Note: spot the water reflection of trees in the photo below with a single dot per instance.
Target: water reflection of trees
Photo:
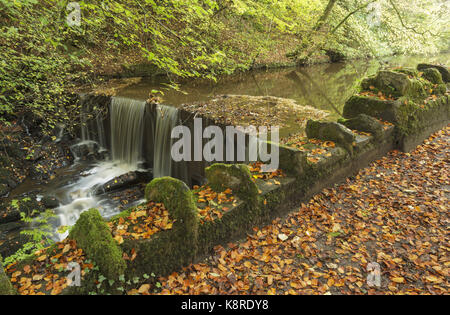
(325, 86)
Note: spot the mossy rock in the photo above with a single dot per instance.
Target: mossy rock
(395, 84)
(442, 69)
(292, 161)
(331, 131)
(372, 106)
(172, 249)
(408, 71)
(6, 287)
(7, 177)
(93, 236)
(433, 75)
(412, 118)
(176, 197)
(234, 176)
(364, 123)
(178, 200)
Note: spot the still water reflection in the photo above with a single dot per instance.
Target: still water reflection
(324, 86)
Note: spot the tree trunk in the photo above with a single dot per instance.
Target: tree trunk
(325, 15)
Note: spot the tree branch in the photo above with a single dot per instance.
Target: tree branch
(350, 14)
(412, 29)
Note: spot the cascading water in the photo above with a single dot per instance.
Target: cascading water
(92, 130)
(166, 120)
(127, 125)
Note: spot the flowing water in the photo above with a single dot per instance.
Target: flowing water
(166, 120)
(324, 86)
(126, 138)
(127, 130)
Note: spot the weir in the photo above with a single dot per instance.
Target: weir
(166, 119)
(127, 130)
(123, 133)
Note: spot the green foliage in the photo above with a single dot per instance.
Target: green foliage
(36, 68)
(419, 27)
(43, 59)
(39, 235)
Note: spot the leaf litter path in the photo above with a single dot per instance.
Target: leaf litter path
(393, 213)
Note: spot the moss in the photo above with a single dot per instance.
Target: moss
(233, 224)
(4, 190)
(364, 123)
(5, 176)
(392, 83)
(292, 161)
(433, 75)
(417, 89)
(6, 287)
(372, 106)
(408, 71)
(395, 83)
(235, 176)
(94, 237)
(412, 117)
(331, 131)
(167, 250)
(442, 69)
(177, 198)
(239, 179)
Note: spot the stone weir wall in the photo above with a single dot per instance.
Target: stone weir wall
(394, 110)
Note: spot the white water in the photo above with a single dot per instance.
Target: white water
(127, 117)
(166, 120)
(127, 127)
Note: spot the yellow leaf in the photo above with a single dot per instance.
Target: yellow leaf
(119, 239)
(398, 279)
(66, 248)
(141, 213)
(433, 279)
(330, 282)
(37, 277)
(144, 288)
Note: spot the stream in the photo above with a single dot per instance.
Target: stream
(324, 86)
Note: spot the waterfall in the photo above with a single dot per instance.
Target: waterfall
(92, 130)
(166, 120)
(127, 130)
(125, 136)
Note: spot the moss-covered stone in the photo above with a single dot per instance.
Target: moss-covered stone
(372, 106)
(408, 71)
(93, 236)
(331, 131)
(292, 161)
(364, 123)
(412, 117)
(177, 198)
(442, 69)
(6, 287)
(433, 75)
(235, 176)
(170, 249)
(395, 84)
